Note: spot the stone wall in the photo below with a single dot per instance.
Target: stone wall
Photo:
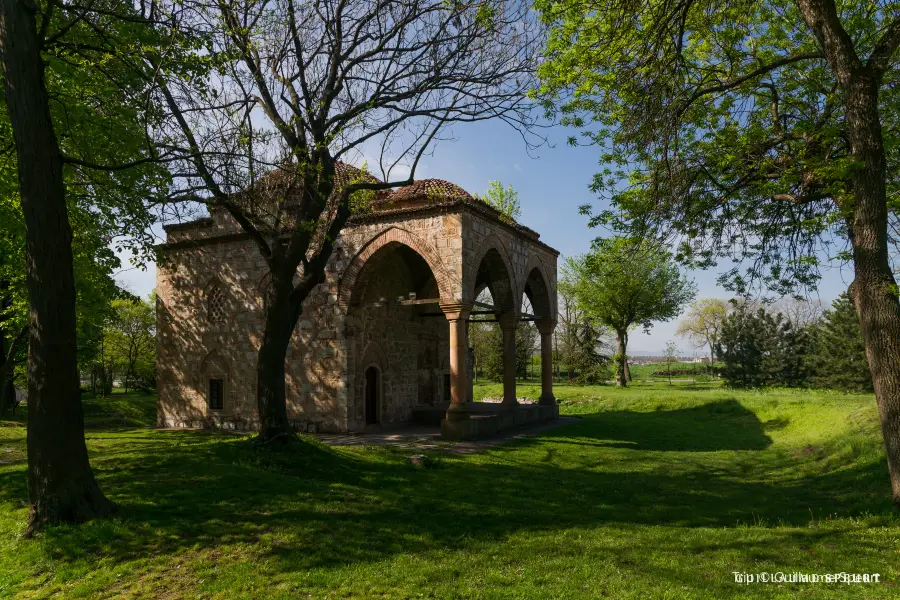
(344, 327)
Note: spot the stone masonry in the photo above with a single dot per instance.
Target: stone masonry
(391, 314)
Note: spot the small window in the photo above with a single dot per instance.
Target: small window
(215, 308)
(216, 394)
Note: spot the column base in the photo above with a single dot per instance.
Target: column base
(458, 413)
(547, 400)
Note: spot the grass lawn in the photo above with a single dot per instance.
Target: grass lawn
(657, 492)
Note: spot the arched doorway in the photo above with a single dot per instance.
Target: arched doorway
(373, 396)
(400, 330)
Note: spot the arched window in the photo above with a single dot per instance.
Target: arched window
(215, 304)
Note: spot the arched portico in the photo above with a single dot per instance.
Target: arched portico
(392, 236)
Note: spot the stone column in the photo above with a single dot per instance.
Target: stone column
(546, 330)
(507, 323)
(457, 313)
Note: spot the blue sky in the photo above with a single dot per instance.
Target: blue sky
(552, 184)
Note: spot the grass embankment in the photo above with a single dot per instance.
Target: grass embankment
(658, 492)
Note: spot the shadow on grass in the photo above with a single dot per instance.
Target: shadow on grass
(317, 506)
(722, 425)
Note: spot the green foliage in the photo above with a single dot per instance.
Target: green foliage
(721, 123)
(487, 342)
(506, 201)
(840, 355)
(760, 349)
(657, 486)
(702, 322)
(98, 78)
(129, 339)
(625, 283)
(672, 354)
(580, 339)
(584, 354)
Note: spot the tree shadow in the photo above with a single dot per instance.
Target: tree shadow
(721, 425)
(318, 507)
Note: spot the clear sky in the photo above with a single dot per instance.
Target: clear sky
(552, 184)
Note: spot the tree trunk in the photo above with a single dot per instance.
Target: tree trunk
(874, 289)
(710, 343)
(622, 364)
(627, 366)
(61, 485)
(5, 382)
(281, 318)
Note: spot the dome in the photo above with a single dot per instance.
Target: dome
(437, 189)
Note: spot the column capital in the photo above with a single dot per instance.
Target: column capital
(507, 320)
(546, 326)
(456, 309)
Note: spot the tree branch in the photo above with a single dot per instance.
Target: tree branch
(880, 59)
(758, 72)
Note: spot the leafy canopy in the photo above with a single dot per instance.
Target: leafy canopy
(703, 321)
(762, 349)
(840, 357)
(624, 283)
(720, 124)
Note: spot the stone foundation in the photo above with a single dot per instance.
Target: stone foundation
(491, 419)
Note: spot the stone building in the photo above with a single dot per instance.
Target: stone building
(384, 336)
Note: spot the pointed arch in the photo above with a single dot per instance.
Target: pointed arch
(393, 235)
(539, 288)
(492, 263)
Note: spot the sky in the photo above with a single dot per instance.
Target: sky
(552, 182)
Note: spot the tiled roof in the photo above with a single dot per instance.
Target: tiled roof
(425, 189)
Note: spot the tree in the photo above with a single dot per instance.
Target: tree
(81, 171)
(625, 283)
(60, 481)
(672, 353)
(840, 355)
(526, 339)
(801, 312)
(581, 341)
(131, 335)
(762, 349)
(302, 88)
(506, 201)
(750, 130)
(702, 322)
(487, 342)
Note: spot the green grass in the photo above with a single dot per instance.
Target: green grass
(657, 492)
